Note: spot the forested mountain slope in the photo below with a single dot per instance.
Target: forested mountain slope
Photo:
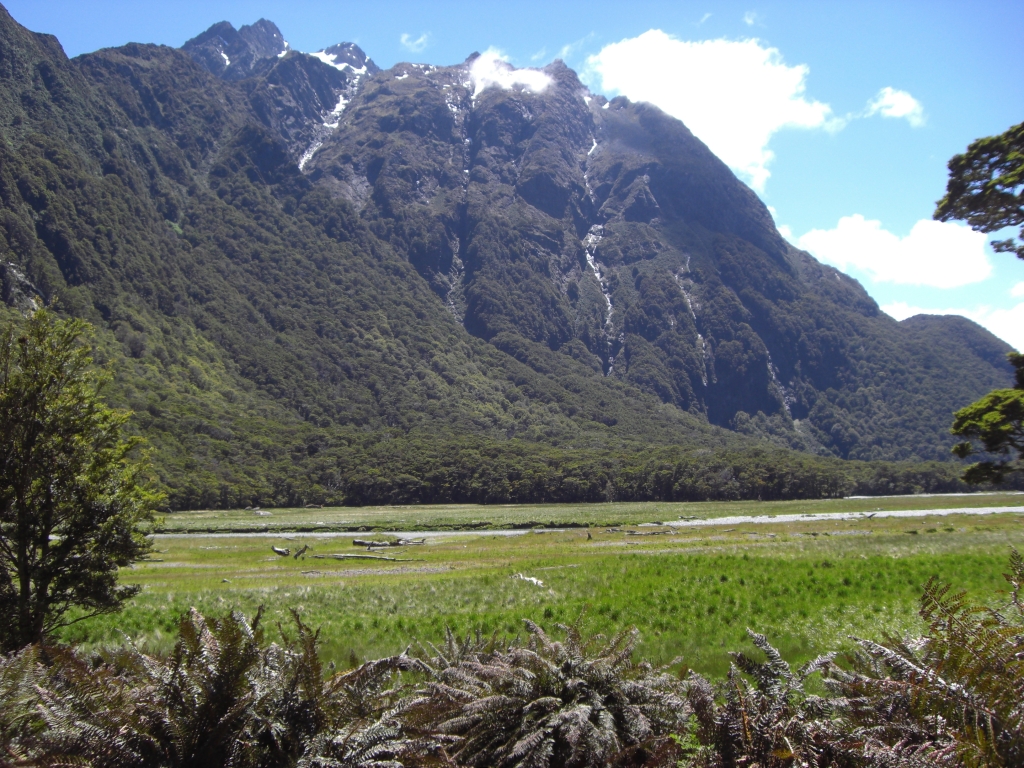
(607, 232)
(307, 273)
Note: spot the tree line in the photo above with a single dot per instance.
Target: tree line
(413, 469)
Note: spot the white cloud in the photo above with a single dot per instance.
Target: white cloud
(892, 103)
(784, 229)
(704, 18)
(749, 18)
(1017, 291)
(566, 50)
(492, 68)
(935, 253)
(415, 45)
(1007, 324)
(569, 49)
(733, 95)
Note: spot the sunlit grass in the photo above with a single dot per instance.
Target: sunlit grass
(692, 594)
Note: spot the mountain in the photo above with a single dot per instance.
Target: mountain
(313, 280)
(233, 54)
(548, 219)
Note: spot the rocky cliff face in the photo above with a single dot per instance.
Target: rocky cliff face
(298, 96)
(234, 54)
(353, 254)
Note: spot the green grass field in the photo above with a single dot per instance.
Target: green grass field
(807, 585)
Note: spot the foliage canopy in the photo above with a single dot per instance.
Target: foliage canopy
(986, 187)
(997, 422)
(72, 498)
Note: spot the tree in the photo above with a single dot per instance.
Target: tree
(73, 499)
(986, 187)
(997, 421)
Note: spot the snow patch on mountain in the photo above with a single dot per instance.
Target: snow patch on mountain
(311, 150)
(685, 286)
(491, 68)
(350, 59)
(590, 242)
(336, 112)
(331, 60)
(596, 269)
(329, 125)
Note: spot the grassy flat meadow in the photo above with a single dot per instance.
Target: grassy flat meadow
(692, 592)
(444, 517)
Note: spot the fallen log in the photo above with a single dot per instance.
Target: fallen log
(371, 544)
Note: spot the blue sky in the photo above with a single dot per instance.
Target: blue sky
(842, 116)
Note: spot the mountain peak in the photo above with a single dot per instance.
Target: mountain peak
(265, 39)
(347, 56)
(235, 54)
(232, 54)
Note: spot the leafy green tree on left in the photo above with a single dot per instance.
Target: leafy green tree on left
(73, 496)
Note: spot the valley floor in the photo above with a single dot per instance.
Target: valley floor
(807, 582)
(478, 517)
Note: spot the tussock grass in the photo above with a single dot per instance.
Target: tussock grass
(807, 585)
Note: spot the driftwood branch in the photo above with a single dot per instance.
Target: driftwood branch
(371, 544)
